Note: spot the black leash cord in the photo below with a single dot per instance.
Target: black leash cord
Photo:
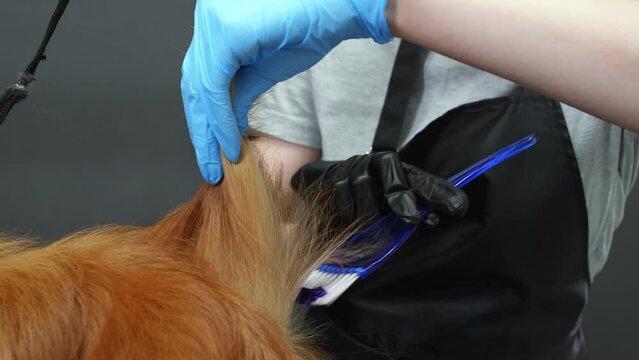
(20, 90)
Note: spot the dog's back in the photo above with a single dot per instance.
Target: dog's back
(110, 294)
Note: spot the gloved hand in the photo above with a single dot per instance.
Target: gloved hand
(366, 185)
(258, 43)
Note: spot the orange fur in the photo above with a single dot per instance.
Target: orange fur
(216, 278)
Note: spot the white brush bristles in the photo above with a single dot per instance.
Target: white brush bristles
(334, 285)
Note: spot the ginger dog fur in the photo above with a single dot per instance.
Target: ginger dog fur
(216, 278)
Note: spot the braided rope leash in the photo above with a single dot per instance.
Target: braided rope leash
(20, 90)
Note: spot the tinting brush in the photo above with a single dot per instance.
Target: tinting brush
(388, 233)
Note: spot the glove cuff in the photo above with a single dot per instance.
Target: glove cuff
(372, 14)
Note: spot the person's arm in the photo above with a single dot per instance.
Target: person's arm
(362, 184)
(282, 158)
(581, 52)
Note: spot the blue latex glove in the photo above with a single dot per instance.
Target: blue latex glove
(258, 43)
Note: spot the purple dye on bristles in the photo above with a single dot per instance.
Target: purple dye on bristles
(308, 296)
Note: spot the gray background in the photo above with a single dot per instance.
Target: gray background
(103, 139)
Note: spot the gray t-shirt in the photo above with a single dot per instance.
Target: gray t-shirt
(335, 106)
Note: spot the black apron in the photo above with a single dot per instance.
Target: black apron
(508, 281)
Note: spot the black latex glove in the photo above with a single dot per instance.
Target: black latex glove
(367, 185)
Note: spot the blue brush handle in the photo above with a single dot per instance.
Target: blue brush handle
(472, 172)
(399, 232)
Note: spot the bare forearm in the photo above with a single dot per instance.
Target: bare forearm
(282, 159)
(582, 52)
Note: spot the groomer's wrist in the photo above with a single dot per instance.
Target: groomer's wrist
(391, 16)
(410, 19)
(372, 14)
